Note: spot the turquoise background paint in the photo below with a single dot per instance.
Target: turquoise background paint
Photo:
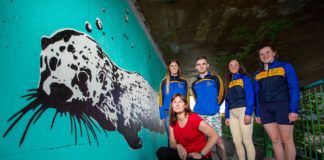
(22, 24)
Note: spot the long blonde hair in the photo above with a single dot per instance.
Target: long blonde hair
(167, 76)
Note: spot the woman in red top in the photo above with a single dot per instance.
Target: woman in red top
(187, 133)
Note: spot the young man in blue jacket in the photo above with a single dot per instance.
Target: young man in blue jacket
(208, 92)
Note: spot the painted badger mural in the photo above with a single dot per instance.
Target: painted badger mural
(78, 79)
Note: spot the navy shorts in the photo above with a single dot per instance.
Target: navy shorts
(275, 112)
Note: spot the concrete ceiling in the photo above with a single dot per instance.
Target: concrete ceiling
(226, 29)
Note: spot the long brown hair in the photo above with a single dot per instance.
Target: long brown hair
(167, 76)
(173, 115)
(229, 75)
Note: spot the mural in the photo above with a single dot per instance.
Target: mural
(79, 80)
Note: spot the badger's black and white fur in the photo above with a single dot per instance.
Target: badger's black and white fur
(77, 77)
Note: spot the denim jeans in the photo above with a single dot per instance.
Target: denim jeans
(166, 122)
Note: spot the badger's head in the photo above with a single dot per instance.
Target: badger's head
(74, 79)
(73, 68)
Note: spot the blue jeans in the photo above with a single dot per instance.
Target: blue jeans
(166, 122)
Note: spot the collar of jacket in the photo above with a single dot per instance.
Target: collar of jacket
(271, 65)
(198, 76)
(174, 77)
(237, 76)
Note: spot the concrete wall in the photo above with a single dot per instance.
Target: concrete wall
(91, 92)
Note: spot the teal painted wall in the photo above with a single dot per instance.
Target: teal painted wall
(23, 24)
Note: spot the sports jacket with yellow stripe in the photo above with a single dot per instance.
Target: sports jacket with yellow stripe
(279, 83)
(177, 85)
(208, 93)
(240, 93)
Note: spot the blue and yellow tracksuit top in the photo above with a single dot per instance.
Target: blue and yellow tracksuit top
(279, 83)
(208, 93)
(240, 93)
(177, 85)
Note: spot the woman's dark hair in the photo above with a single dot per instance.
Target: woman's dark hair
(173, 115)
(229, 75)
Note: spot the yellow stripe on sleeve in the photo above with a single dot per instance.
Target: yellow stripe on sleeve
(188, 93)
(221, 90)
(160, 95)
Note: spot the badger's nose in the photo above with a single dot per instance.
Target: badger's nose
(60, 93)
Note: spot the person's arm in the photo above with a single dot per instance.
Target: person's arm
(294, 91)
(188, 93)
(212, 139)
(227, 114)
(193, 91)
(173, 144)
(221, 90)
(256, 93)
(162, 116)
(249, 98)
(249, 95)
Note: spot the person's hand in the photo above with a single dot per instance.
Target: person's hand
(182, 152)
(258, 120)
(227, 122)
(195, 155)
(163, 120)
(293, 117)
(247, 119)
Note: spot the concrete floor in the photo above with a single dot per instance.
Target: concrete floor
(231, 152)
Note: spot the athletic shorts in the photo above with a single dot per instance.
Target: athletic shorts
(215, 121)
(275, 112)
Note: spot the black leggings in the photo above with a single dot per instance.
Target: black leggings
(165, 153)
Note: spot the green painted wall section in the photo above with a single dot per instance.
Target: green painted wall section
(22, 24)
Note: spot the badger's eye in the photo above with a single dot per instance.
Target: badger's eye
(53, 63)
(83, 77)
(101, 76)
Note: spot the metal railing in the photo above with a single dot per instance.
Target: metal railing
(309, 128)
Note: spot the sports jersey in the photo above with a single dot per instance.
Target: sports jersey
(208, 93)
(279, 83)
(240, 93)
(177, 85)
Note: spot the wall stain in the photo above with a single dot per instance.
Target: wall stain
(268, 31)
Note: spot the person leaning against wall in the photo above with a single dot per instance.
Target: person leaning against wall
(239, 106)
(277, 101)
(187, 134)
(172, 83)
(208, 92)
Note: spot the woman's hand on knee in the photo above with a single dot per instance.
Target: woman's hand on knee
(181, 151)
(195, 155)
(293, 117)
(227, 121)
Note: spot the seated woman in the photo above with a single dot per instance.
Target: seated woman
(187, 133)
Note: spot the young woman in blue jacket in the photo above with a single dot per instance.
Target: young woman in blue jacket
(277, 102)
(239, 106)
(172, 83)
